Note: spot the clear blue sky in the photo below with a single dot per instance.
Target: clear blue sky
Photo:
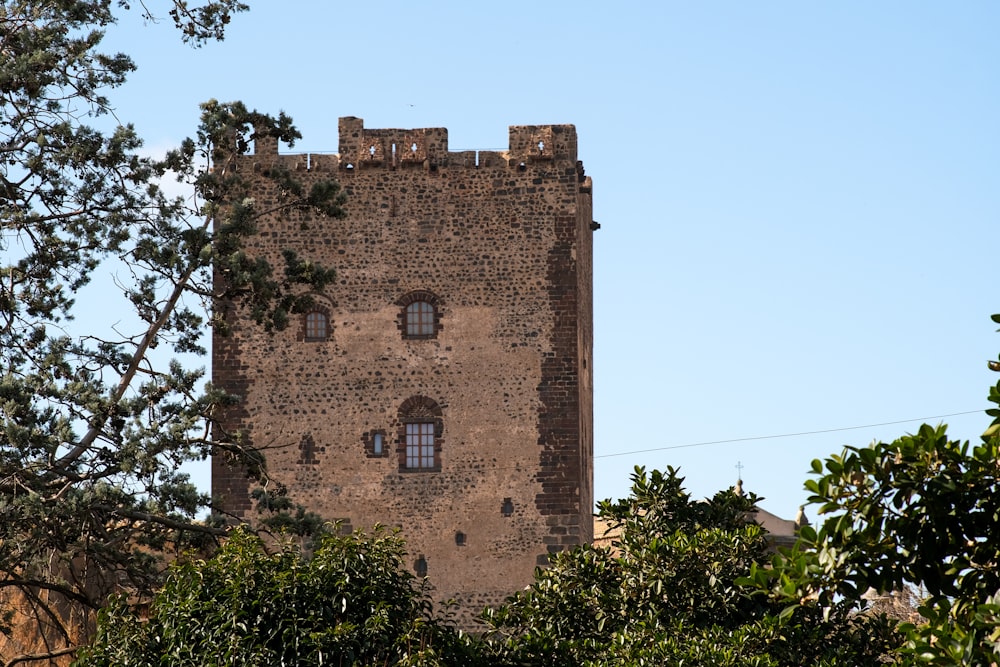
(799, 201)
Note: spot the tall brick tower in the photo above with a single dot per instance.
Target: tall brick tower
(444, 383)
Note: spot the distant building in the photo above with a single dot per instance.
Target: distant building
(780, 532)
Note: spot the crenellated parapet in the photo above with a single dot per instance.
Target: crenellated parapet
(367, 148)
(363, 148)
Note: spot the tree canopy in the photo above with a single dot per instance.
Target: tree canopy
(94, 424)
(672, 591)
(350, 602)
(919, 513)
(669, 592)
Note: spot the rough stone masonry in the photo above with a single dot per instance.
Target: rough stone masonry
(444, 383)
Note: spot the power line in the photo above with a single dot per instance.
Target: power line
(520, 467)
(783, 435)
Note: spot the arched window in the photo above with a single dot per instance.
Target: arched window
(317, 326)
(420, 445)
(421, 433)
(420, 317)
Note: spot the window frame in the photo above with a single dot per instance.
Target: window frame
(420, 436)
(429, 320)
(314, 320)
(420, 319)
(315, 305)
(369, 440)
(420, 445)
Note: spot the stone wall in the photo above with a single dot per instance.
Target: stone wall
(500, 244)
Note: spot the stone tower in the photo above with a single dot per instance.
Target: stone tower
(443, 384)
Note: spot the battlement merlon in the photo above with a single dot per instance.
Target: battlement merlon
(363, 147)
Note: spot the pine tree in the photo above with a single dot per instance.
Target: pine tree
(94, 427)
